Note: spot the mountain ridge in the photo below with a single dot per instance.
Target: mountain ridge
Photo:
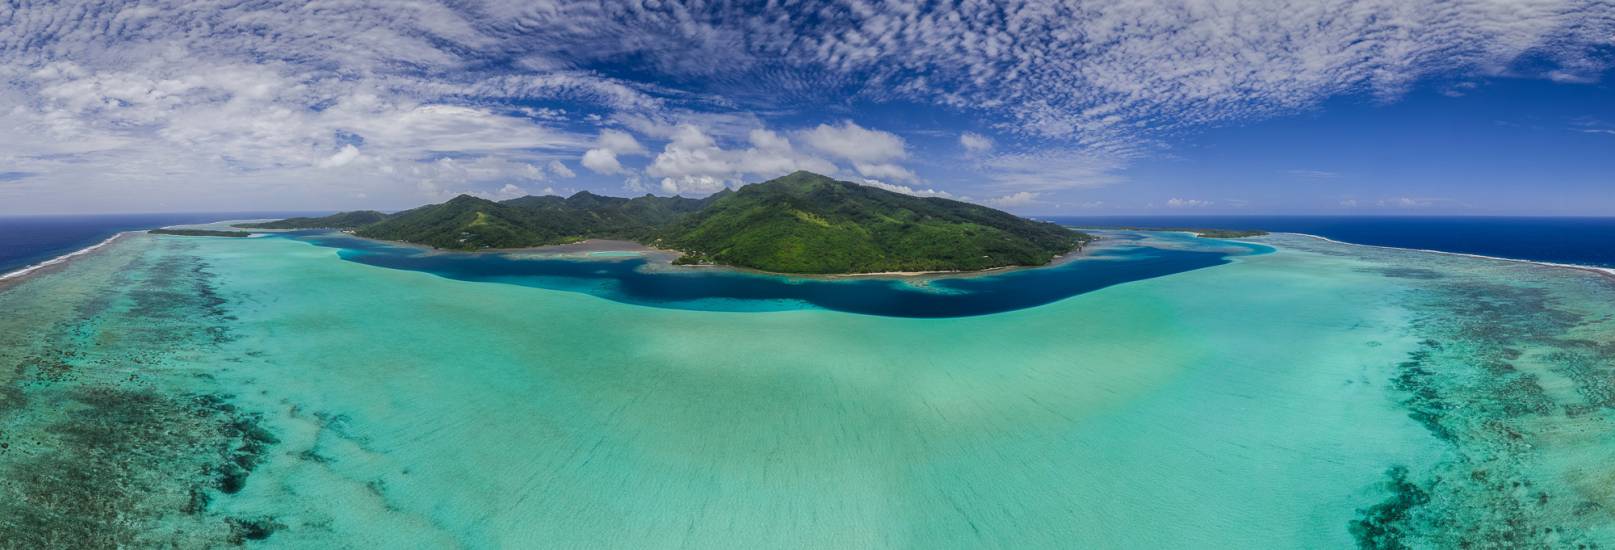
(799, 223)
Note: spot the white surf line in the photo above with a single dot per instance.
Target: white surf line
(1604, 270)
(59, 259)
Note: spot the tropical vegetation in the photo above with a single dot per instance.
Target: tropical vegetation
(800, 223)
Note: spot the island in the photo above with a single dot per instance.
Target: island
(344, 220)
(802, 223)
(199, 232)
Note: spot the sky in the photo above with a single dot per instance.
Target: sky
(1482, 107)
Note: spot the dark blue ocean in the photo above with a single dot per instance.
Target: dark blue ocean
(1582, 241)
(28, 240)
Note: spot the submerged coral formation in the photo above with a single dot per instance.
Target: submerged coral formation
(104, 438)
(1513, 371)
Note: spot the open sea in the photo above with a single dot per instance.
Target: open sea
(28, 240)
(1581, 241)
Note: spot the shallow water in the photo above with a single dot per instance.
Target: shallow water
(193, 391)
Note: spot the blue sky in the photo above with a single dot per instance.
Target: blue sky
(1381, 107)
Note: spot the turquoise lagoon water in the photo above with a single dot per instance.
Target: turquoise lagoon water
(285, 393)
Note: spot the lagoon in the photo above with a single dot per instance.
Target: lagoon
(1165, 391)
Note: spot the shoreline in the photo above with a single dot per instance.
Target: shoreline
(1606, 272)
(662, 259)
(885, 275)
(1062, 259)
(20, 275)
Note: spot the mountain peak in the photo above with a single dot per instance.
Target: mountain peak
(806, 174)
(800, 181)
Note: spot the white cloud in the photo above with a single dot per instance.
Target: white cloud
(1055, 169)
(341, 158)
(602, 161)
(768, 140)
(692, 185)
(1313, 174)
(855, 143)
(166, 132)
(619, 142)
(693, 162)
(1187, 203)
(1591, 125)
(975, 143)
(478, 176)
(1093, 71)
(1014, 200)
(511, 191)
(1413, 202)
(885, 170)
(603, 158)
(906, 190)
(559, 169)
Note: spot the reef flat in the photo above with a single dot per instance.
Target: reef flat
(291, 392)
(111, 430)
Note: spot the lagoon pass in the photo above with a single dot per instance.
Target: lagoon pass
(301, 391)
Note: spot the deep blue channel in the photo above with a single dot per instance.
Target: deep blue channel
(623, 280)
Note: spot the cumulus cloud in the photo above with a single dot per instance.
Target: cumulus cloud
(694, 163)
(873, 153)
(852, 142)
(620, 142)
(602, 161)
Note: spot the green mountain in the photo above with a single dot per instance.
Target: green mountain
(591, 215)
(808, 223)
(801, 223)
(469, 223)
(340, 220)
